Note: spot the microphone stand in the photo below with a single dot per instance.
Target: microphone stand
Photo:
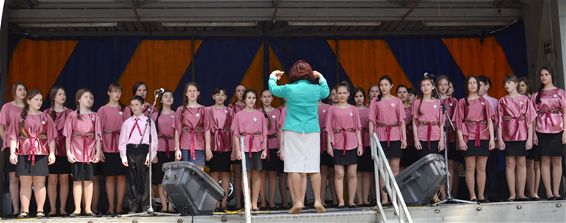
(150, 211)
(449, 199)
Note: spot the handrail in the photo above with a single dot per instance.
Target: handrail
(246, 186)
(382, 168)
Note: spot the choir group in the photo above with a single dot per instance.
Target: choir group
(84, 145)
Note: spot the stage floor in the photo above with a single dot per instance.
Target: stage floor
(539, 211)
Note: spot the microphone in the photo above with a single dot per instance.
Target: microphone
(159, 91)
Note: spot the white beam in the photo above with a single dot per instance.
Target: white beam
(251, 14)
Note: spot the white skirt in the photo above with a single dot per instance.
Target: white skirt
(301, 152)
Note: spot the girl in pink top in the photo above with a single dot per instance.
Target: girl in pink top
(515, 117)
(344, 143)
(475, 135)
(443, 84)
(533, 160)
(218, 139)
(272, 165)
(333, 98)
(373, 92)
(83, 133)
(139, 89)
(550, 104)
(365, 163)
(59, 171)
(164, 119)
(189, 129)
(326, 161)
(250, 124)
(9, 111)
(387, 119)
(32, 149)
(111, 119)
(428, 121)
(409, 155)
(237, 103)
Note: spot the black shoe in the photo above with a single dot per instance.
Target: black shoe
(550, 198)
(341, 206)
(534, 198)
(559, 198)
(92, 214)
(483, 201)
(74, 215)
(353, 206)
(218, 210)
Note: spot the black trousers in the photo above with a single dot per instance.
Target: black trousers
(137, 177)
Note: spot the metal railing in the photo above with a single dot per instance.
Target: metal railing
(383, 170)
(246, 188)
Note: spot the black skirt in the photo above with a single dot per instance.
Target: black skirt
(454, 153)
(273, 163)
(482, 150)
(82, 171)
(433, 149)
(515, 148)
(97, 169)
(112, 165)
(534, 153)
(393, 150)
(326, 160)
(550, 144)
(61, 166)
(341, 158)
(253, 163)
(409, 156)
(24, 166)
(220, 162)
(156, 169)
(8, 167)
(365, 162)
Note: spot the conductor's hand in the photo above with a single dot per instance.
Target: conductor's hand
(317, 74)
(277, 74)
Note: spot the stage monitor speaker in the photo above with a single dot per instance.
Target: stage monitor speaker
(189, 189)
(422, 180)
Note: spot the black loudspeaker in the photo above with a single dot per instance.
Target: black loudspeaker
(422, 180)
(189, 189)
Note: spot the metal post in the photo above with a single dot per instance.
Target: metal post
(246, 186)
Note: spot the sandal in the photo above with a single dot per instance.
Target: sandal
(23, 214)
(40, 214)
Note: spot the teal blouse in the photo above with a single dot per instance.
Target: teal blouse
(302, 103)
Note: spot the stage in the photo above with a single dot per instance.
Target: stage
(531, 211)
